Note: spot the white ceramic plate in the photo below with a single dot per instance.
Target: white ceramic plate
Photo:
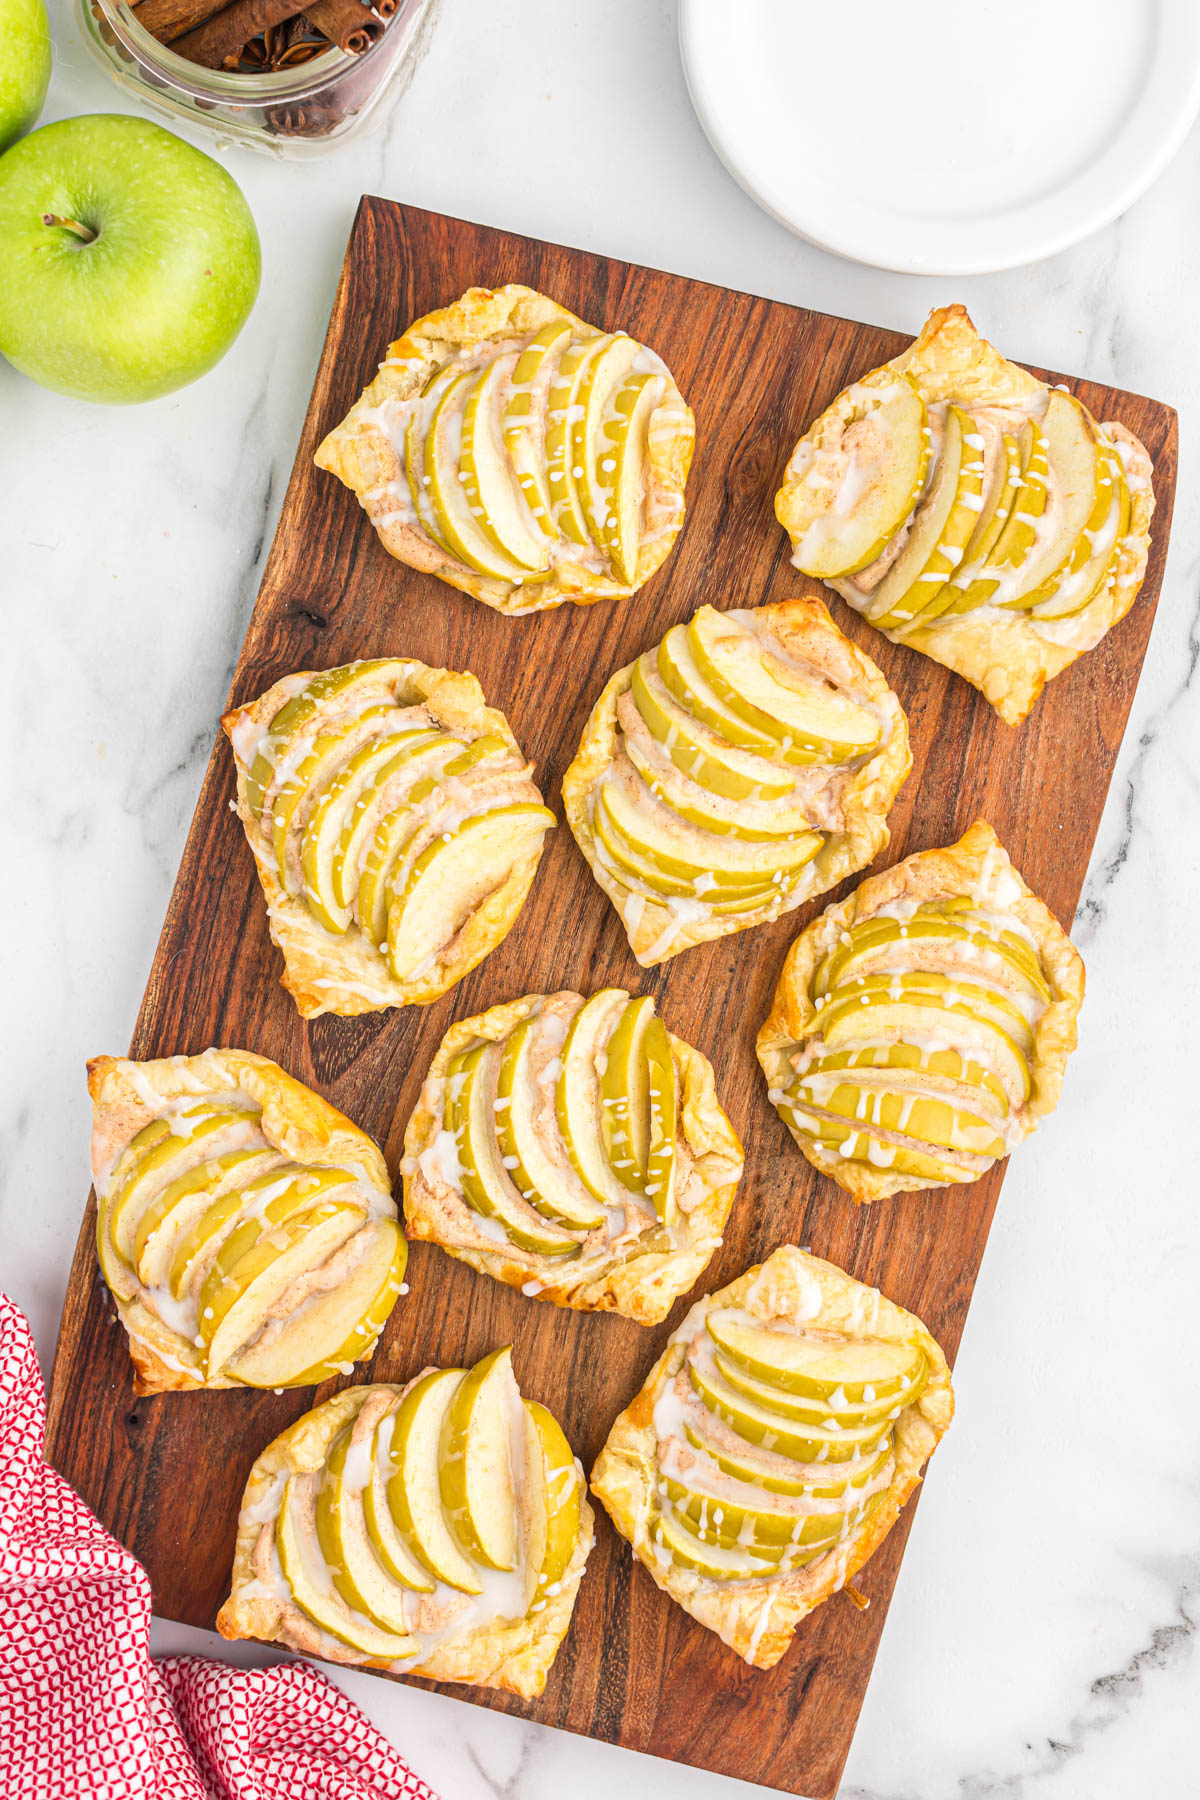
(944, 137)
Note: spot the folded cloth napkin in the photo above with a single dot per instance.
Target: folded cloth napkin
(85, 1714)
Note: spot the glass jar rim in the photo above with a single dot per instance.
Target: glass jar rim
(238, 86)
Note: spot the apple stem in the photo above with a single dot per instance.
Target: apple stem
(84, 233)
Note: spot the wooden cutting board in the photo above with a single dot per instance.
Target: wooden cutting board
(166, 1474)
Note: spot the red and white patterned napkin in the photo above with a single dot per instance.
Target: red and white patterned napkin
(85, 1714)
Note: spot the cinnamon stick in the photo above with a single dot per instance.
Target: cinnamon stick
(231, 29)
(347, 23)
(170, 19)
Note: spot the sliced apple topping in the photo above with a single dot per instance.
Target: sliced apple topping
(566, 1127)
(391, 829)
(409, 1521)
(872, 479)
(254, 1267)
(774, 1441)
(919, 1060)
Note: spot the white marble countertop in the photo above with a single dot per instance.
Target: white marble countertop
(1043, 1638)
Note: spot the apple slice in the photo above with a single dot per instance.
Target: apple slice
(577, 1094)
(914, 1063)
(716, 862)
(562, 403)
(458, 524)
(818, 1365)
(237, 1294)
(813, 1479)
(359, 779)
(928, 1118)
(602, 372)
(625, 1097)
(294, 794)
(772, 1530)
(183, 1201)
(618, 470)
(762, 1425)
(356, 1572)
(941, 531)
(386, 1541)
(450, 880)
(1020, 530)
(696, 749)
(335, 1328)
(835, 1412)
(475, 1461)
(871, 938)
(414, 1493)
(562, 1487)
(662, 1087)
(713, 1561)
(314, 1593)
(294, 717)
(523, 423)
(416, 438)
(707, 811)
(854, 1144)
(977, 999)
(883, 1018)
(493, 496)
(888, 442)
(414, 768)
(470, 1118)
(1071, 586)
(776, 700)
(552, 1190)
(287, 1186)
(195, 1136)
(998, 505)
(1075, 467)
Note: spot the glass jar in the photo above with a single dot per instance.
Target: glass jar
(286, 112)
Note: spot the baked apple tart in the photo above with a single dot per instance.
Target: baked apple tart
(575, 1149)
(439, 1529)
(967, 509)
(396, 828)
(773, 1446)
(246, 1230)
(743, 765)
(921, 1028)
(519, 454)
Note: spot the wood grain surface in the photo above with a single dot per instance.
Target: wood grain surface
(166, 1474)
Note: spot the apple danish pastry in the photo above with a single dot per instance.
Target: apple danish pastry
(246, 1230)
(440, 1529)
(395, 825)
(773, 1445)
(967, 509)
(921, 1028)
(575, 1149)
(745, 764)
(519, 454)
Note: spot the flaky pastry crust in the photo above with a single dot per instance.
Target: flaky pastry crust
(653, 1273)
(1007, 656)
(514, 1656)
(960, 868)
(758, 1618)
(126, 1096)
(347, 975)
(805, 628)
(361, 455)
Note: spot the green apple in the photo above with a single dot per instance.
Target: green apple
(314, 1593)
(940, 534)
(854, 1144)
(416, 444)
(360, 1578)
(183, 1201)
(797, 1439)
(521, 424)
(998, 504)
(716, 863)
(777, 701)
(662, 1089)
(191, 1138)
(1075, 467)
(912, 1064)
(602, 372)
(1078, 577)
(335, 1328)
(872, 940)
(807, 1409)
(488, 484)
(889, 440)
(358, 780)
(293, 794)
(861, 1370)
(772, 1530)
(449, 880)
(25, 58)
(978, 999)
(476, 1461)
(289, 725)
(577, 1093)
(470, 1118)
(915, 1115)
(776, 822)
(551, 1190)
(696, 749)
(129, 261)
(625, 1097)
(565, 499)
(414, 1489)
(562, 1489)
(715, 1561)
